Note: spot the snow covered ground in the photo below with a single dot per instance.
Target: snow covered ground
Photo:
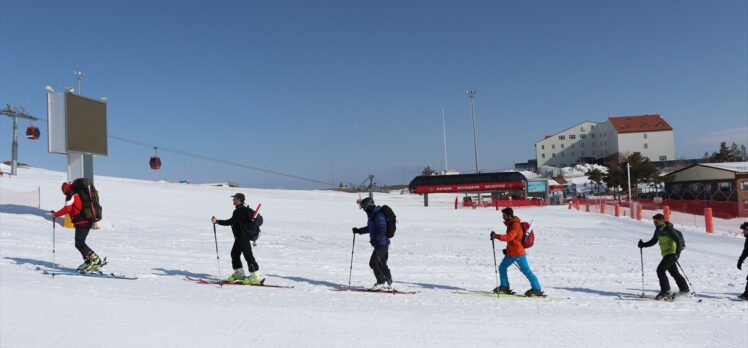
(161, 232)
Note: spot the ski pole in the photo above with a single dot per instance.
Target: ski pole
(495, 267)
(693, 291)
(641, 257)
(218, 258)
(54, 222)
(350, 272)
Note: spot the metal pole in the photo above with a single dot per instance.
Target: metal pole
(641, 256)
(54, 223)
(444, 128)
(350, 272)
(14, 150)
(471, 95)
(495, 267)
(693, 291)
(628, 174)
(218, 259)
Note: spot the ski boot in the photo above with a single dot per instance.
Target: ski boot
(237, 276)
(379, 287)
(92, 263)
(534, 293)
(253, 279)
(664, 296)
(503, 290)
(743, 296)
(83, 266)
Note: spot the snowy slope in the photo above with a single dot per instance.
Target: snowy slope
(162, 232)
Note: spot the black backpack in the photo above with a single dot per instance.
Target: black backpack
(391, 219)
(90, 207)
(253, 227)
(682, 244)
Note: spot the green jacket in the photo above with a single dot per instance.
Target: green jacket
(669, 239)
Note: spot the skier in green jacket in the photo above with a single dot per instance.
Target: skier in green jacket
(671, 244)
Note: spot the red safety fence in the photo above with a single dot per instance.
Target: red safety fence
(720, 209)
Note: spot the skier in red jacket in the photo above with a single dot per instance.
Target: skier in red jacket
(73, 206)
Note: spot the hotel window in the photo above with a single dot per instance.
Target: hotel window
(745, 204)
(553, 154)
(645, 135)
(562, 146)
(542, 147)
(582, 129)
(561, 137)
(663, 158)
(543, 155)
(553, 146)
(592, 135)
(583, 136)
(645, 146)
(572, 136)
(744, 186)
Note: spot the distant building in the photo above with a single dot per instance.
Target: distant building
(590, 141)
(530, 166)
(725, 182)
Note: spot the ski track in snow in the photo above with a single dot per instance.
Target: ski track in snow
(161, 232)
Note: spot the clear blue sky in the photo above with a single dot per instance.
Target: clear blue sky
(349, 88)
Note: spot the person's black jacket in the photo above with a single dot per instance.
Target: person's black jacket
(239, 220)
(744, 255)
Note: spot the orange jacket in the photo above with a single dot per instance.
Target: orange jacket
(513, 237)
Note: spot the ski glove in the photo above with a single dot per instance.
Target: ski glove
(740, 264)
(503, 251)
(493, 235)
(640, 244)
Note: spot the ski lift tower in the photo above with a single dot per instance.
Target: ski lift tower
(78, 129)
(15, 113)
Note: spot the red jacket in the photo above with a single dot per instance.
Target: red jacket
(513, 237)
(73, 207)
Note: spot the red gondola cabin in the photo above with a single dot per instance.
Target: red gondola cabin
(33, 133)
(155, 162)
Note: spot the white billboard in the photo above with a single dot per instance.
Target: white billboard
(56, 123)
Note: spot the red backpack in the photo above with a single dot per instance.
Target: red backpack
(528, 235)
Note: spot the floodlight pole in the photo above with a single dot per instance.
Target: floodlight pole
(471, 95)
(78, 76)
(15, 113)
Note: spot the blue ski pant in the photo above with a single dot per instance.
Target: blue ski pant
(523, 266)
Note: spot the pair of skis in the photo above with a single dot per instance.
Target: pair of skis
(94, 274)
(340, 288)
(226, 282)
(644, 297)
(512, 296)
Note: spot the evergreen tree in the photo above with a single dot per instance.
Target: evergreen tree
(596, 176)
(428, 171)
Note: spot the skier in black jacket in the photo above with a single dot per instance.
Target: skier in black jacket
(240, 222)
(742, 258)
